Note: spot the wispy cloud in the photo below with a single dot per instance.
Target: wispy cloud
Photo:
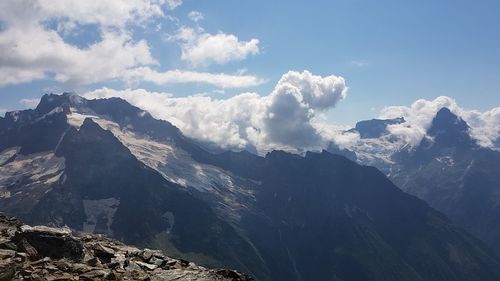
(30, 103)
(196, 16)
(360, 63)
(221, 80)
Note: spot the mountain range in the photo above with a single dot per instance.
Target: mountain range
(105, 166)
(449, 170)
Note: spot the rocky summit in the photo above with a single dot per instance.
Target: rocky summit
(46, 253)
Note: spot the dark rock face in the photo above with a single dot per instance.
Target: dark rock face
(449, 130)
(61, 256)
(47, 242)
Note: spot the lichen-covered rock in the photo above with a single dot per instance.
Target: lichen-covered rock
(45, 253)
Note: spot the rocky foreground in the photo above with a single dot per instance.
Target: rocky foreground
(44, 253)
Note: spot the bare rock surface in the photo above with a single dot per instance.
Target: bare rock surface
(48, 254)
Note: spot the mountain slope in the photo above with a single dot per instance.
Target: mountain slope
(328, 218)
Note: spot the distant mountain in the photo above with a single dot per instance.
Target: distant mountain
(447, 169)
(106, 166)
(375, 128)
(456, 176)
(328, 218)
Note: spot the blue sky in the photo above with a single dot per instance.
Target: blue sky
(389, 52)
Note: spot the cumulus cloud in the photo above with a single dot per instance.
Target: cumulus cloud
(485, 126)
(201, 48)
(33, 51)
(22, 62)
(284, 119)
(195, 16)
(292, 107)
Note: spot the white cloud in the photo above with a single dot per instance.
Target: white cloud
(201, 48)
(284, 119)
(292, 107)
(109, 58)
(220, 80)
(105, 13)
(485, 126)
(31, 51)
(315, 91)
(195, 16)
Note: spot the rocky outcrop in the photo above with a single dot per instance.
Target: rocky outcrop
(45, 253)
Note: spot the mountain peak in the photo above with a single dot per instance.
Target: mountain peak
(449, 130)
(50, 101)
(446, 122)
(445, 114)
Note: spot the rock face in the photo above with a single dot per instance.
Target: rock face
(45, 253)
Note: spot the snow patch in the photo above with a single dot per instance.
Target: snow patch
(170, 218)
(447, 160)
(377, 152)
(75, 119)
